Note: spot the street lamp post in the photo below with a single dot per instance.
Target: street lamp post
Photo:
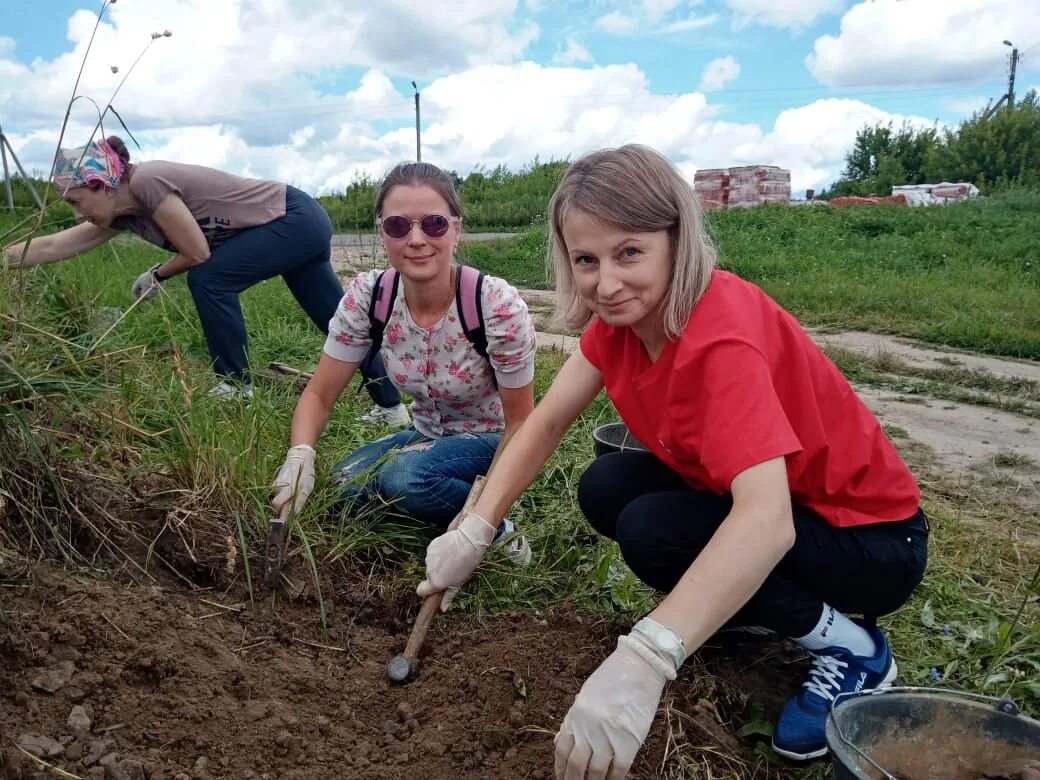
(418, 145)
(1011, 79)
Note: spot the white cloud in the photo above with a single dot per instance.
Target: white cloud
(574, 52)
(231, 62)
(789, 14)
(690, 23)
(718, 73)
(618, 23)
(924, 42)
(812, 140)
(655, 9)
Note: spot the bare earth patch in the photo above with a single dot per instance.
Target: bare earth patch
(110, 682)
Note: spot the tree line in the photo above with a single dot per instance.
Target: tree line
(991, 149)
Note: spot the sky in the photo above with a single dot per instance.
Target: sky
(318, 92)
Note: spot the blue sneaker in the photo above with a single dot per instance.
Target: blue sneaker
(799, 732)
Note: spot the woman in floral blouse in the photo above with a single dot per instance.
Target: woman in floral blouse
(466, 405)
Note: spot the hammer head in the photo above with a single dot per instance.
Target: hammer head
(400, 668)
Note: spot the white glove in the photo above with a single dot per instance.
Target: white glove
(147, 285)
(453, 556)
(612, 713)
(295, 479)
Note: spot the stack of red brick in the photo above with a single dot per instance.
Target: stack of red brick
(749, 185)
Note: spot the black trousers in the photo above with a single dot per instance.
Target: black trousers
(661, 525)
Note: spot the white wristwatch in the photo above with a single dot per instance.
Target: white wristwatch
(663, 639)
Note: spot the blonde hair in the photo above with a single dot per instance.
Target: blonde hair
(637, 189)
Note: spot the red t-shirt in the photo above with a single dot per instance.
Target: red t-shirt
(745, 384)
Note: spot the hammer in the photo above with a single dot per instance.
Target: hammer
(404, 665)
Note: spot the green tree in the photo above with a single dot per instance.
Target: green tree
(994, 150)
(883, 156)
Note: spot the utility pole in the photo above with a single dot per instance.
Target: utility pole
(418, 144)
(1011, 79)
(5, 148)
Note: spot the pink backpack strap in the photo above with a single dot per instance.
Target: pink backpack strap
(383, 296)
(469, 284)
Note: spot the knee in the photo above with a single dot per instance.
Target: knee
(655, 548)
(405, 489)
(596, 496)
(197, 280)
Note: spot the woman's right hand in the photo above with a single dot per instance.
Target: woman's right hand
(295, 479)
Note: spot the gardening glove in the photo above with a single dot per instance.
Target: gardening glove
(612, 713)
(453, 556)
(295, 479)
(147, 285)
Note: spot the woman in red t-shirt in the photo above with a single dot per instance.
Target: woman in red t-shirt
(769, 497)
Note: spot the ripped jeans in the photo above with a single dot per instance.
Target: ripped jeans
(419, 477)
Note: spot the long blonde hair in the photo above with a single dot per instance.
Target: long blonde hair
(637, 189)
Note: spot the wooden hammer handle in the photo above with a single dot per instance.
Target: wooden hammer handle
(432, 603)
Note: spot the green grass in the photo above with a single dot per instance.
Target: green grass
(132, 445)
(965, 275)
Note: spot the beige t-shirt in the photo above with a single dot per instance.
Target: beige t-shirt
(223, 204)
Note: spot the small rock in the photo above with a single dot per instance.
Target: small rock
(323, 723)
(127, 769)
(256, 710)
(412, 724)
(107, 762)
(284, 739)
(55, 678)
(98, 749)
(511, 753)
(74, 694)
(74, 751)
(40, 746)
(516, 718)
(80, 719)
(404, 711)
(436, 748)
(201, 764)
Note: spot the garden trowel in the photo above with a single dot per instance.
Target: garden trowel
(274, 548)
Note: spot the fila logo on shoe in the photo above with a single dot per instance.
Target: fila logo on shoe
(860, 682)
(830, 622)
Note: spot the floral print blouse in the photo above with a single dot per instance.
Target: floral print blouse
(453, 386)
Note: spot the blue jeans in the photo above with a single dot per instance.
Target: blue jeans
(297, 246)
(423, 478)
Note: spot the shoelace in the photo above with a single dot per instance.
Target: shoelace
(825, 676)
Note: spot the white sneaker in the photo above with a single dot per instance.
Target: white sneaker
(395, 417)
(514, 545)
(232, 390)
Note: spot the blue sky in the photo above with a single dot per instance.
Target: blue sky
(316, 92)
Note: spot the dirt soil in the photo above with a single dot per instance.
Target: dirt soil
(105, 681)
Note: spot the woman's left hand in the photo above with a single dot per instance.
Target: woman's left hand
(612, 713)
(146, 286)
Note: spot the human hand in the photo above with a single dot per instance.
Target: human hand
(612, 713)
(453, 556)
(295, 479)
(147, 286)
